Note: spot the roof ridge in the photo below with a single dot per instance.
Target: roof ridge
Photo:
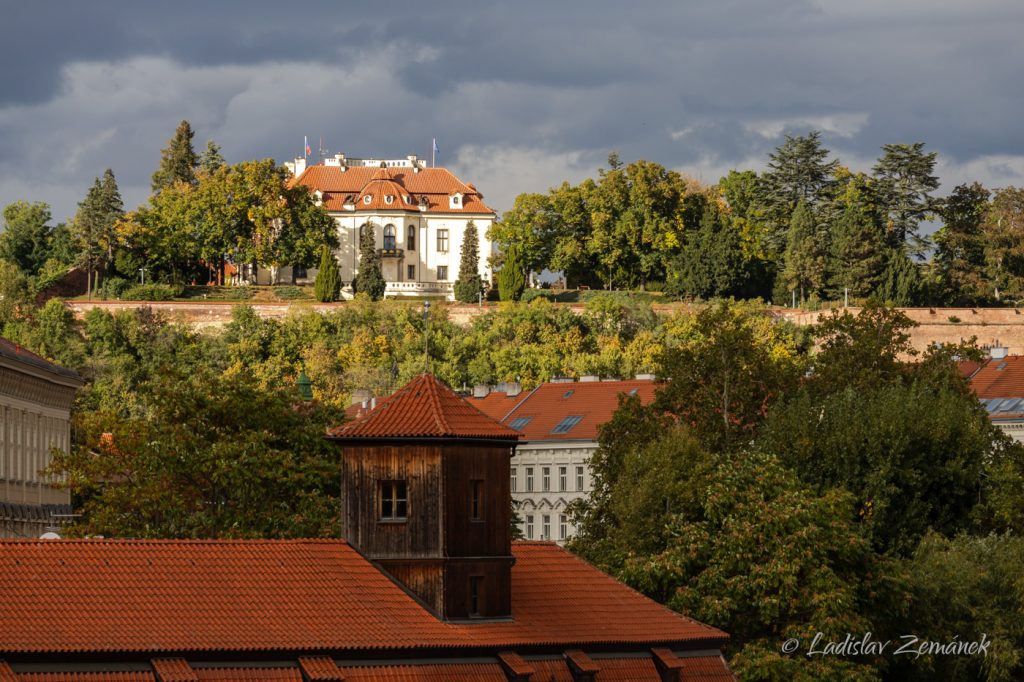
(435, 397)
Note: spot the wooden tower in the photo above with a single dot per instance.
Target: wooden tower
(425, 481)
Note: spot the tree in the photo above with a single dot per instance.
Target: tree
(263, 471)
(93, 225)
(469, 286)
(370, 280)
(328, 280)
(711, 263)
(901, 282)
(797, 171)
(904, 178)
(532, 225)
(25, 241)
(749, 549)
(726, 371)
(178, 160)
(805, 258)
(211, 159)
(511, 281)
(1003, 231)
(960, 245)
(857, 253)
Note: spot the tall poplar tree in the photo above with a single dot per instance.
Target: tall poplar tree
(328, 280)
(468, 286)
(370, 279)
(178, 161)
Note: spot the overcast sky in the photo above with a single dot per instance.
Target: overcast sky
(519, 95)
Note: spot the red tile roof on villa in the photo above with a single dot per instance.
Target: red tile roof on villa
(424, 408)
(434, 184)
(538, 414)
(151, 596)
(1000, 378)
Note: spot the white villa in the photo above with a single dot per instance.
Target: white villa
(418, 214)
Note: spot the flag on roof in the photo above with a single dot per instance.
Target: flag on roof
(305, 144)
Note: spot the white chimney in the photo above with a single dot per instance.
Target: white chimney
(481, 390)
(297, 167)
(998, 352)
(513, 389)
(589, 378)
(645, 377)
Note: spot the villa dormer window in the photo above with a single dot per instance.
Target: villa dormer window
(388, 199)
(367, 199)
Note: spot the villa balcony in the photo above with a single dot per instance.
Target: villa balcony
(419, 289)
(391, 253)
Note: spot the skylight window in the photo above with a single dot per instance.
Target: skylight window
(568, 393)
(566, 424)
(519, 422)
(634, 391)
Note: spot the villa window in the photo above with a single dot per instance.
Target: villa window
(546, 478)
(442, 241)
(529, 526)
(563, 526)
(513, 479)
(546, 528)
(442, 273)
(579, 478)
(529, 479)
(410, 270)
(410, 240)
(562, 479)
(367, 199)
(389, 237)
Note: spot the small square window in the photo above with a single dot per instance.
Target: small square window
(394, 503)
(442, 273)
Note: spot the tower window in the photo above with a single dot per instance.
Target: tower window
(394, 501)
(476, 583)
(476, 500)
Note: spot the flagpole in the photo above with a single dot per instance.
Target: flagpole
(433, 146)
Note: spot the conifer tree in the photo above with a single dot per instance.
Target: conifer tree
(904, 177)
(711, 263)
(92, 228)
(178, 161)
(468, 286)
(328, 281)
(211, 159)
(511, 280)
(370, 279)
(960, 246)
(805, 262)
(857, 253)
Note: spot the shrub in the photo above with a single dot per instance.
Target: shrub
(153, 292)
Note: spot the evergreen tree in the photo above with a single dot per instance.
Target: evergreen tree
(370, 279)
(804, 267)
(178, 161)
(711, 263)
(211, 159)
(468, 286)
(904, 179)
(328, 280)
(93, 225)
(1004, 243)
(901, 282)
(857, 253)
(511, 280)
(797, 171)
(960, 252)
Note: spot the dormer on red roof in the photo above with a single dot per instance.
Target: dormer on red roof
(424, 408)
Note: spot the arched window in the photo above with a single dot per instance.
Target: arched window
(410, 242)
(389, 237)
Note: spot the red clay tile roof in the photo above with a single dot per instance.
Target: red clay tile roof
(540, 411)
(173, 670)
(424, 408)
(1000, 378)
(436, 184)
(320, 669)
(484, 672)
(240, 674)
(86, 676)
(182, 596)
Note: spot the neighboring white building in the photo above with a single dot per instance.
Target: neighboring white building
(418, 214)
(559, 421)
(35, 411)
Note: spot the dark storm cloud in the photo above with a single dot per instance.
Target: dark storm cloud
(523, 94)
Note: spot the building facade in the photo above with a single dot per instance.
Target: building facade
(35, 413)
(559, 421)
(998, 382)
(418, 215)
